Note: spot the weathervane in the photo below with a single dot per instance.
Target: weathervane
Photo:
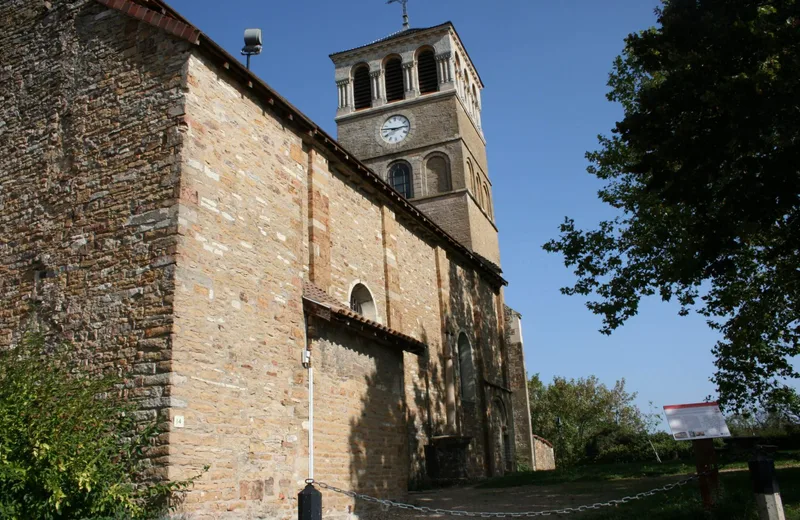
(405, 11)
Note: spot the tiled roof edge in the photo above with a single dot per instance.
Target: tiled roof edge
(315, 296)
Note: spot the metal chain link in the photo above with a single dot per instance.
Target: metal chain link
(527, 514)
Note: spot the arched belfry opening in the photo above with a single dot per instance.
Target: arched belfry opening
(362, 90)
(394, 79)
(426, 72)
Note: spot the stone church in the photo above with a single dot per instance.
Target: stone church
(178, 220)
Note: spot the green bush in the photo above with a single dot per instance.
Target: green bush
(619, 446)
(69, 445)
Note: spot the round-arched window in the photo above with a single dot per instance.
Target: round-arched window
(400, 178)
(361, 301)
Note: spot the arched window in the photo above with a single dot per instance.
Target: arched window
(400, 178)
(438, 174)
(466, 370)
(361, 302)
(470, 176)
(487, 200)
(394, 79)
(426, 72)
(362, 87)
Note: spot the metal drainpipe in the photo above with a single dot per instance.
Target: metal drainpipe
(307, 364)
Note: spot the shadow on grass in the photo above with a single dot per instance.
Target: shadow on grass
(736, 501)
(638, 470)
(589, 473)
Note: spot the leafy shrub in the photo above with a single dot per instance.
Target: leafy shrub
(69, 445)
(619, 446)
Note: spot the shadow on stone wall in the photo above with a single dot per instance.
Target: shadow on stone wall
(388, 438)
(377, 437)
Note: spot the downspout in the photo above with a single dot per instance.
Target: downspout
(307, 364)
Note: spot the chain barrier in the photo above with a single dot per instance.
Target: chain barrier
(527, 514)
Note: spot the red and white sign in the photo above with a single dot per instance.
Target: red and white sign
(696, 421)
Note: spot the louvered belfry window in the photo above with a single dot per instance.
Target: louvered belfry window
(426, 71)
(362, 90)
(394, 80)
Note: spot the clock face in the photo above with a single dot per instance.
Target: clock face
(395, 129)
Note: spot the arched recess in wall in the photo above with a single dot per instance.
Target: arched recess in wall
(362, 302)
(401, 179)
(426, 71)
(362, 87)
(393, 77)
(470, 176)
(437, 170)
(476, 180)
(487, 199)
(466, 370)
(503, 449)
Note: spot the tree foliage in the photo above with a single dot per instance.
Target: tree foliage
(572, 412)
(704, 170)
(69, 445)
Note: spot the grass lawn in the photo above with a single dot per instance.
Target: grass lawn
(736, 498)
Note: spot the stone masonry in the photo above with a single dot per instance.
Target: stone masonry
(166, 210)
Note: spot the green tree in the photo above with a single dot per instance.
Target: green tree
(69, 445)
(704, 170)
(572, 412)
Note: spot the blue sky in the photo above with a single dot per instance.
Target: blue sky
(545, 65)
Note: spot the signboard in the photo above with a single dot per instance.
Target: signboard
(696, 421)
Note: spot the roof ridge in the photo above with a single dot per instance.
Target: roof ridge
(393, 35)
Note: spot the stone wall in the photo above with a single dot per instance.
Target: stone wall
(90, 144)
(485, 240)
(451, 211)
(356, 235)
(518, 383)
(242, 390)
(544, 454)
(360, 417)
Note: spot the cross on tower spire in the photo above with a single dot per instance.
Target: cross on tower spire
(405, 12)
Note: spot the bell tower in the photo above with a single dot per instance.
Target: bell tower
(410, 109)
